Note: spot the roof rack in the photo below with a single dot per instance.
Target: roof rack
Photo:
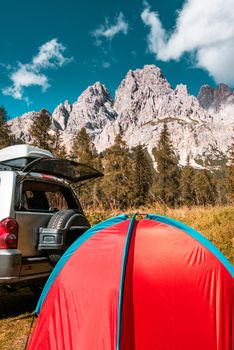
(19, 156)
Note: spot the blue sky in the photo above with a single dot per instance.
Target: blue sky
(52, 50)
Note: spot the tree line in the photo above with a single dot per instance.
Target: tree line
(133, 177)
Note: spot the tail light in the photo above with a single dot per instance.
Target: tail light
(8, 234)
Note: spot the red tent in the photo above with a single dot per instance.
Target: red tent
(127, 284)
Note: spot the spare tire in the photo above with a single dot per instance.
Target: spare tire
(67, 219)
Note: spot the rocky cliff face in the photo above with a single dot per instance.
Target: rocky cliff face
(200, 127)
(145, 100)
(219, 102)
(61, 115)
(20, 126)
(92, 110)
(215, 98)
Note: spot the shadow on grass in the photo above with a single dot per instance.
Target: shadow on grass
(16, 303)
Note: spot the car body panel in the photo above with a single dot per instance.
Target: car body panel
(10, 264)
(28, 230)
(28, 174)
(7, 194)
(34, 265)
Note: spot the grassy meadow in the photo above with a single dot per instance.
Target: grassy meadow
(216, 223)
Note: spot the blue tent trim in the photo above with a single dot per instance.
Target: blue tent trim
(196, 235)
(122, 277)
(71, 250)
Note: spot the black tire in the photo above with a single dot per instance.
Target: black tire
(66, 219)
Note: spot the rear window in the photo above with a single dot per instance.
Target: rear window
(42, 196)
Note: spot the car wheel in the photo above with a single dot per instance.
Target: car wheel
(67, 219)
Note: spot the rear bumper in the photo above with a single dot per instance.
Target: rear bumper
(10, 264)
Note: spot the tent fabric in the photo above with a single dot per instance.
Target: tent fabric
(190, 308)
(92, 303)
(128, 284)
(72, 249)
(196, 235)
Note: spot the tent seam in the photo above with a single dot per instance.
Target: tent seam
(123, 271)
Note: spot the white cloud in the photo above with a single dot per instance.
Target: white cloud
(204, 28)
(24, 77)
(109, 31)
(50, 56)
(106, 65)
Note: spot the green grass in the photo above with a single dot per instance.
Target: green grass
(216, 223)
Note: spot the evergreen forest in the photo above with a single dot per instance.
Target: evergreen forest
(133, 178)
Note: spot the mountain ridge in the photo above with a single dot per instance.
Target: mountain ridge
(201, 128)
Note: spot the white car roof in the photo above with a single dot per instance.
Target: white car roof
(23, 151)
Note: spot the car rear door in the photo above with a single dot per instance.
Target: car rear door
(62, 168)
(38, 200)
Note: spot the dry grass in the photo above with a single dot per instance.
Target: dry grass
(216, 223)
(16, 310)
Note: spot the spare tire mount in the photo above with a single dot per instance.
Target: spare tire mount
(63, 229)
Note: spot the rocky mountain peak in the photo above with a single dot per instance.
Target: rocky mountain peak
(61, 115)
(144, 101)
(148, 72)
(92, 110)
(67, 106)
(181, 90)
(145, 95)
(224, 90)
(150, 76)
(98, 89)
(140, 93)
(95, 94)
(215, 98)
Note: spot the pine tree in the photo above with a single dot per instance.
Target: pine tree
(142, 175)
(229, 180)
(187, 193)
(58, 148)
(205, 192)
(6, 137)
(40, 131)
(219, 180)
(168, 171)
(83, 151)
(118, 175)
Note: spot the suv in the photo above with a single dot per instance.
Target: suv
(40, 214)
